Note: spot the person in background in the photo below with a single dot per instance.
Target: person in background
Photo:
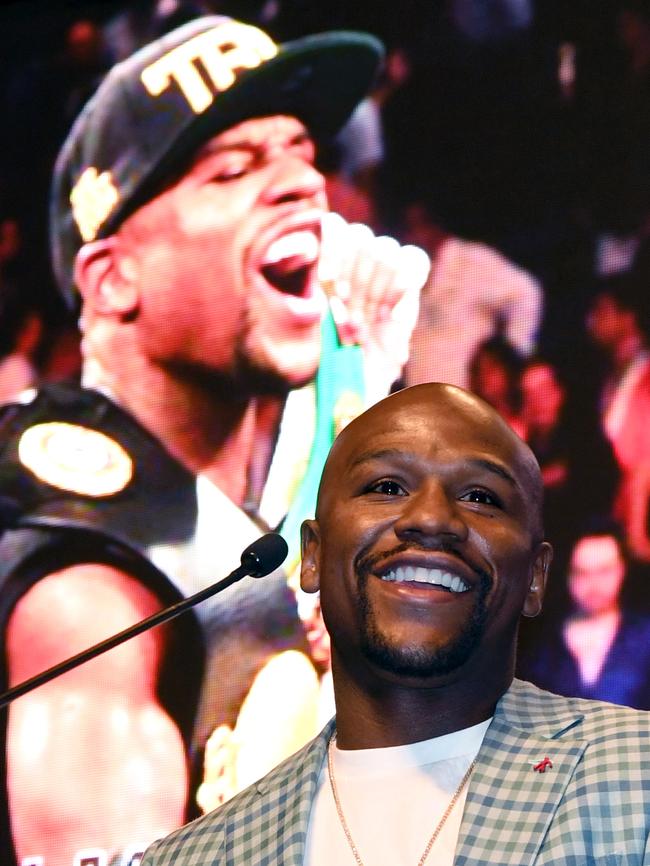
(638, 524)
(362, 138)
(21, 324)
(617, 322)
(473, 293)
(494, 375)
(601, 649)
(579, 482)
(638, 529)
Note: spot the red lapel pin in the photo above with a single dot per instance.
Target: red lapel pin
(544, 765)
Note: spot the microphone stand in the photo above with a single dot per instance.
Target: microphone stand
(150, 622)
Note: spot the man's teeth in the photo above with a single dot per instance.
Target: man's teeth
(301, 243)
(433, 576)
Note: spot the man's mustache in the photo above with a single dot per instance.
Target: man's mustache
(366, 563)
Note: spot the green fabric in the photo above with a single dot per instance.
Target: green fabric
(340, 372)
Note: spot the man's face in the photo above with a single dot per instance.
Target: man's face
(542, 396)
(225, 258)
(607, 323)
(596, 574)
(490, 379)
(424, 547)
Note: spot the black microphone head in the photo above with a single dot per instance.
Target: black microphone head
(264, 555)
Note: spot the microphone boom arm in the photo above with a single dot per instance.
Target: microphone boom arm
(260, 558)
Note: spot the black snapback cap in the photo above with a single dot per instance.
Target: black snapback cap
(154, 109)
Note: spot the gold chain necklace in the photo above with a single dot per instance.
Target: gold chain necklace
(344, 823)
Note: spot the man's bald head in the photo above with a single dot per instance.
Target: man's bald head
(437, 405)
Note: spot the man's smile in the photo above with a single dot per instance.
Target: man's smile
(424, 569)
(426, 576)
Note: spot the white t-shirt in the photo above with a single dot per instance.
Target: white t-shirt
(392, 800)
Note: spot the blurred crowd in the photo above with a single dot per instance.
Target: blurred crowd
(511, 140)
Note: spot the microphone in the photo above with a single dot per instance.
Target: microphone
(264, 555)
(259, 559)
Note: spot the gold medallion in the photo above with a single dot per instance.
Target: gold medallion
(75, 458)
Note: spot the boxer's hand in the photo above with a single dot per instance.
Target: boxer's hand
(219, 769)
(373, 285)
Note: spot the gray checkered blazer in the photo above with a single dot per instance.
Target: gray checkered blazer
(591, 808)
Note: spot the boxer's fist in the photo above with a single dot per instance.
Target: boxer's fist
(373, 285)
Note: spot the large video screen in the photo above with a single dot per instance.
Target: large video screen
(186, 325)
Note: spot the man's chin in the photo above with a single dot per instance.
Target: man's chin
(261, 371)
(242, 381)
(419, 663)
(290, 359)
(276, 376)
(269, 382)
(433, 656)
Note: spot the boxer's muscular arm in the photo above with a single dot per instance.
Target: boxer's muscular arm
(93, 760)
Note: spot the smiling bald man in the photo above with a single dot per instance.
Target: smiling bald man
(427, 548)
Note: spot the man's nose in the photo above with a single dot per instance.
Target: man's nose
(431, 515)
(294, 179)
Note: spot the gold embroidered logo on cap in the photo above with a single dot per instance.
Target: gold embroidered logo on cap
(75, 458)
(222, 51)
(93, 197)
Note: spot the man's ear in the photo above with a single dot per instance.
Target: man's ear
(537, 585)
(310, 563)
(106, 280)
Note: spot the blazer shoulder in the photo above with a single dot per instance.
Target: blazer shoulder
(605, 724)
(529, 708)
(255, 807)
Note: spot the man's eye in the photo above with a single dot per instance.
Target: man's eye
(481, 497)
(229, 172)
(386, 487)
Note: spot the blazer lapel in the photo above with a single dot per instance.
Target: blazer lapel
(284, 843)
(520, 776)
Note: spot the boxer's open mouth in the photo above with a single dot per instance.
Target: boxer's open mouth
(289, 263)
